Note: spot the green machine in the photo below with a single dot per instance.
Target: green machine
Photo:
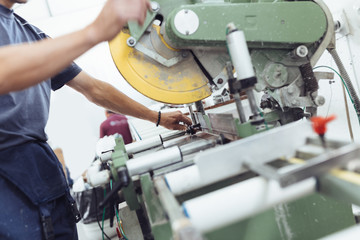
(201, 187)
(232, 177)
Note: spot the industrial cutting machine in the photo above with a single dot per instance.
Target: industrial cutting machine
(257, 172)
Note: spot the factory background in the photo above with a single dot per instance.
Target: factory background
(74, 122)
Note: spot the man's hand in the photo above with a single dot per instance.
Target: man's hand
(174, 120)
(114, 15)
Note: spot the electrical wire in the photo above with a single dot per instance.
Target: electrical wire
(103, 218)
(97, 217)
(118, 220)
(346, 107)
(352, 101)
(331, 95)
(262, 115)
(323, 66)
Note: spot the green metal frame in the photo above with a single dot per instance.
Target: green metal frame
(264, 24)
(308, 218)
(160, 225)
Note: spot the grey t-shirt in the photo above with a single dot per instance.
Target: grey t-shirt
(25, 158)
(23, 114)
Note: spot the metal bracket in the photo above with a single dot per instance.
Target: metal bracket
(315, 166)
(158, 58)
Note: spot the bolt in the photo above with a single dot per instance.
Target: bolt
(213, 88)
(302, 51)
(290, 90)
(155, 7)
(220, 81)
(184, 54)
(131, 41)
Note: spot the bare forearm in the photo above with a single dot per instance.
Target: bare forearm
(121, 103)
(28, 64)
(106, 96)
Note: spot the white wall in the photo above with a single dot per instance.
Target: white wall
(74, 122)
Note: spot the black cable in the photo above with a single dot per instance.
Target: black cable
(97, 216)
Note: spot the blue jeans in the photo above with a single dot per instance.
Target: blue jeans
(20, 218)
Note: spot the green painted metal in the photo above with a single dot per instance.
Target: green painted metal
(265, 24)
(308, 218)
(247, 129)
(208, 124)
(272, 117)
(162, 231)
(131, 196)
(136, 31)
(119, 156)
(160, 225)
(339, 189)
(119, 143)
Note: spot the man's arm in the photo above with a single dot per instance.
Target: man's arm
(28, 64)
(108, 97)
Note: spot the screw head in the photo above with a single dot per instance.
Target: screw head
(155, 6)
(131, 42)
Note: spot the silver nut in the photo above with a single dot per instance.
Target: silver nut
(302, 51)
(131, 42)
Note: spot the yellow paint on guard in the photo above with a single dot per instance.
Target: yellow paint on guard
(179, 84)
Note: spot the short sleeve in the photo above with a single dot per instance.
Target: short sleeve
(65, 76)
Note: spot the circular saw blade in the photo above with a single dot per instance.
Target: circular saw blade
(181, 83)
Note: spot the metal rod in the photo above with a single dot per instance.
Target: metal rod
(143, 145)
(192, 114)
(154, 161)
(200, 107)
(239, 107)
(251, 98)
(318, 165)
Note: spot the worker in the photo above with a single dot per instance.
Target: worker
(35, 202)
(116, 123)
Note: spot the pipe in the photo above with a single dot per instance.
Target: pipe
(154, 161)
(143, 145)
